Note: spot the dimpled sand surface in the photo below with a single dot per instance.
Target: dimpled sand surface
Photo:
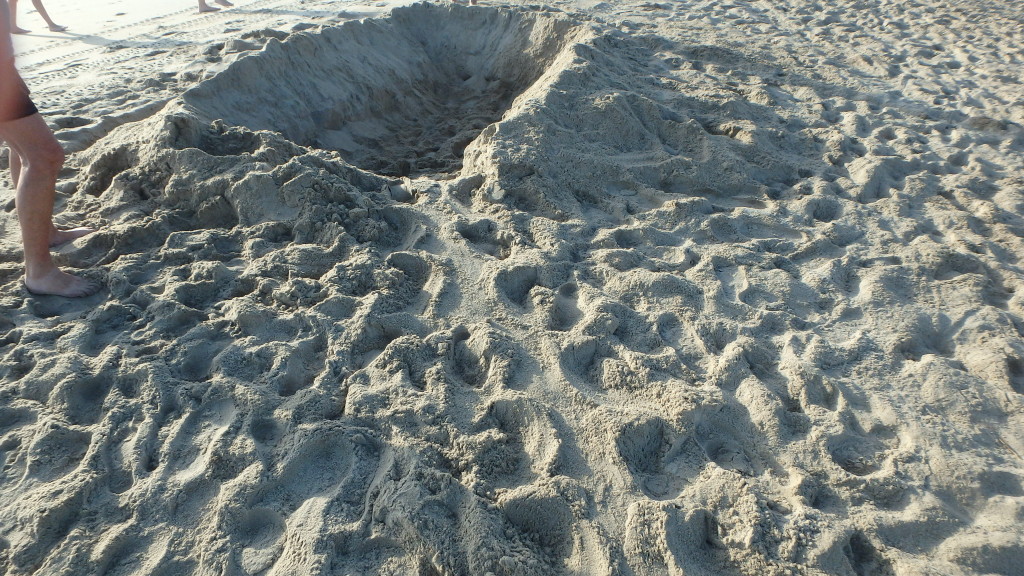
(631, 288)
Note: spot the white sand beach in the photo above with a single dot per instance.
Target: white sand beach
(710, 287)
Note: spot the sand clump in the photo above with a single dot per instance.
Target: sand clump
(525, 290)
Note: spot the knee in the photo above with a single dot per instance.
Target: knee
(55, 155)
(48, 158)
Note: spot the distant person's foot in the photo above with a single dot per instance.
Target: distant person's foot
(58, 283)
(19, 31)
(207, 8)
(57, 28)
(58, 237)
(223, 2)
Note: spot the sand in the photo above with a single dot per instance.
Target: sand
(632, 288)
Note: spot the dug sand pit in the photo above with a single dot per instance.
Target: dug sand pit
(398, 96)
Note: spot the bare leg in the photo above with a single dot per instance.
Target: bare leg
(15, 161)
(204, 7)
(57, 236)
(41, 157)
(54, 27)
(13, 5)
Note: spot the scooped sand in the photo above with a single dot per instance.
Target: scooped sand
(624, 288)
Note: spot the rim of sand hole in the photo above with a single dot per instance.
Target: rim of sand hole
(398, 96)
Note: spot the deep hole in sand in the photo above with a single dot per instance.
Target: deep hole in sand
(397, 96)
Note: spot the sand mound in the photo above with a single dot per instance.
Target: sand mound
(394, 96)
(648, 306)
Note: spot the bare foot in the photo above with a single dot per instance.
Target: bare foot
(20, 31)
(223, 2)
(207, 8)
(58, 283)
(58, 237)
(57, 28)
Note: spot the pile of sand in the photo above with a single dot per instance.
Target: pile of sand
(471, 290)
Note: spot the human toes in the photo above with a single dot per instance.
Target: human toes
(63, 284)
(58, 237)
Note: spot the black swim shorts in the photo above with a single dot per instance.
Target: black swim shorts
(14, 99)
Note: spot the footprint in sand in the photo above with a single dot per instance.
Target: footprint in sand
(515, 283)
(661, 460)
(56, 451)
(565, 311)
(1015, 373)
(482, 356)
(518, 443)
(548, 513)
(322, 479)
(485, 236)
(727, 437)
(864, 557)
(83, 398)
(106, 324)
(824, 209)
(18, 363)
(861, 454)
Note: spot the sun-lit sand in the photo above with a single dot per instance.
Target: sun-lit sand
(633, 288)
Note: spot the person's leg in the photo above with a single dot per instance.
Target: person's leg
(41, 157)
(204, 7)
(15, 162)
(54, 27)
(13, 6)
(57, 236)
